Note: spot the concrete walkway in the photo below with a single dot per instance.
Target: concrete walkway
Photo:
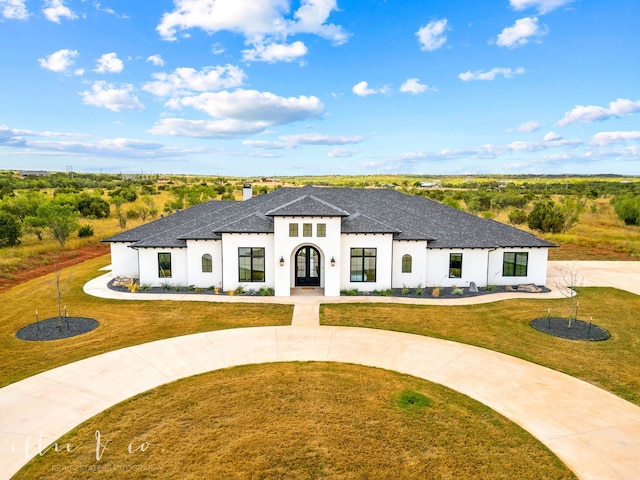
(594, 432)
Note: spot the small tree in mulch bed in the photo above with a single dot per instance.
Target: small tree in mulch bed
(60, 289)
(570, 281)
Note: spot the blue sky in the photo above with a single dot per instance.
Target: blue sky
(278, 87)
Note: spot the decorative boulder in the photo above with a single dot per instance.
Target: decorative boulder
(473, 288)
(529, 288)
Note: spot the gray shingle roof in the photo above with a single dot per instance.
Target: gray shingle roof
(307, 206)
(362, 210)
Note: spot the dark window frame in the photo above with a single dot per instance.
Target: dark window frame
(164, 259)
(256, 266)
(207, 263)
(455, 265)
(511, 267)
(407, 263)
(307, 230)
(363, 263)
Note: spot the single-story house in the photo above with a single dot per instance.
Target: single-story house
(332, 238)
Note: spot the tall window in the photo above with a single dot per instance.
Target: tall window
(321, 229)
(164, 265)
(251, 264)
(514, 264)
(363, 264)
(406, 263)
(293, 229)
(455, 265)
(307, 229)
(207, 263)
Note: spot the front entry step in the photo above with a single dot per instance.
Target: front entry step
(307, 292)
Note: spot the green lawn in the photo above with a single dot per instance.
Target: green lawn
(504, 327)
(301, 421)
(122, 323)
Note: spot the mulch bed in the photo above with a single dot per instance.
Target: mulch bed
(559, 327)
(443, 292)
(56, 328)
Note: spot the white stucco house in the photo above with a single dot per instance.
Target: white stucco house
(331, 238)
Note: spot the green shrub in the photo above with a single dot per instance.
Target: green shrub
(517, 217)
(85, 231)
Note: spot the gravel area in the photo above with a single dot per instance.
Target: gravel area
(56, 329)
(559, 327)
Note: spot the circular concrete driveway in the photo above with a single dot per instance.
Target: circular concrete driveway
(594, 432)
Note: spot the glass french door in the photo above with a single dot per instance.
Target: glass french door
(307, 267)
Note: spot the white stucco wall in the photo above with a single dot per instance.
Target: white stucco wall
(536, 267)
(474, 267)
(124, 260)
(418, 275)
(384, 256)
(149, 267)
(195, 250)
(328, 247)
(231, 242)
(484, 267)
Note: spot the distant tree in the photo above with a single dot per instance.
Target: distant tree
(517, 217)
(22, 206)
(627, 208)
(546, 217)
(35, 225)
(10, 230)
(59, 220)
(571, 210)
(92, 206)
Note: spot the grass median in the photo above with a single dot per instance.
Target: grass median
(300, 420)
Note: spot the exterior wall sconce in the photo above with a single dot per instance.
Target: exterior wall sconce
(282, 261)
(333, 262)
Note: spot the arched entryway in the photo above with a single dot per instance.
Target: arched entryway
(307, 266)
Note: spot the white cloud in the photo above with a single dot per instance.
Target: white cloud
(552, 137)
(14, 9)
(266, 144)
(293, 141)
(55, 10)
(527, 127)
(106, 95)
(319, 139)
(253, 106)
(342, 153)
(491, 74)
(261, 22)
(186, 80)
(593, 113)
(432, 35)
(109, 63)
(156, 60)
(312, 16)
(413, 86)
(275, 52)
(228, 128)
(362, 89)
(59, 61)
(520, 33)
(603, 139)
(543, 6)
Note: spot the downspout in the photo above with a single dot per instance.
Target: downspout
(488, 255)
